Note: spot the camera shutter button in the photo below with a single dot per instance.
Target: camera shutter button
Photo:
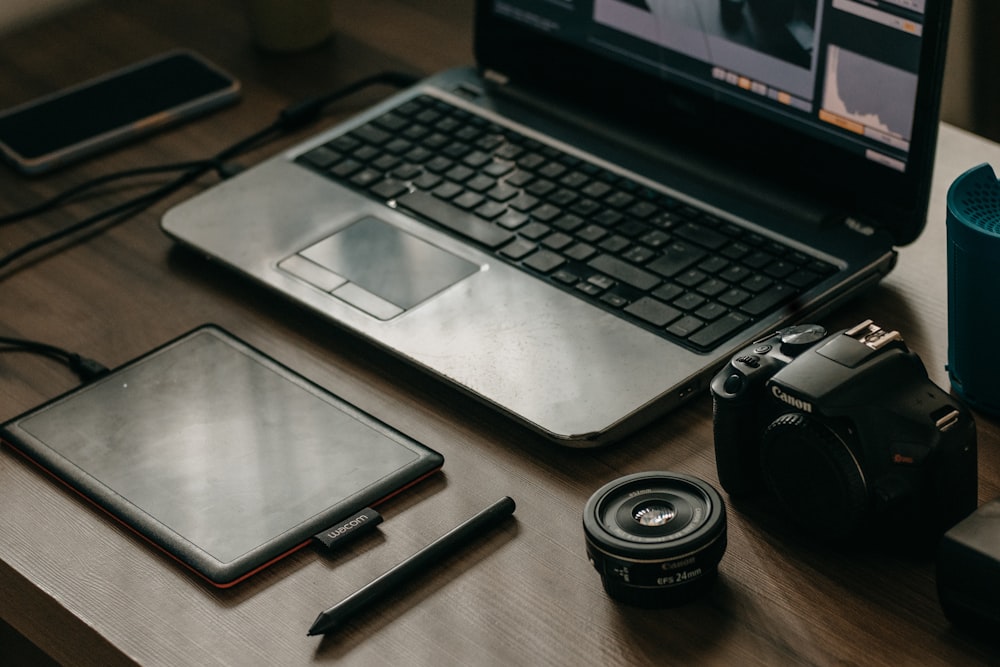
(733, 384)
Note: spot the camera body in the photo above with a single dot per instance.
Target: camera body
(846, 431)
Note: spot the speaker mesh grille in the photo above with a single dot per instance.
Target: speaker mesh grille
(981, 206)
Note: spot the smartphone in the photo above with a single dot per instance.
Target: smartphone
(68, 125)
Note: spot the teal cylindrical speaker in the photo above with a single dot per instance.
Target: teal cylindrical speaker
(974, 287)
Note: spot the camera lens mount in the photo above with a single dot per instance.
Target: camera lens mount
(815, 475)
(656, 538)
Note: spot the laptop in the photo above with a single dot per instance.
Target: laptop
(580, 229)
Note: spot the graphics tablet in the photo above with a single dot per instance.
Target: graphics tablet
(217, 454)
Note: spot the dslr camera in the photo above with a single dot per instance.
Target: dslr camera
(846, 432)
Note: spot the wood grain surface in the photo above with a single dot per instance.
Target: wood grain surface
(89, 593)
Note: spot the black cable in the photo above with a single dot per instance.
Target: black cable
(290, 118)
(85, 368)
(76, 190)
(130, 207)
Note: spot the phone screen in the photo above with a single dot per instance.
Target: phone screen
(120, 105)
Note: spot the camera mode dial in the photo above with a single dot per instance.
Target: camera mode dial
(797, 338)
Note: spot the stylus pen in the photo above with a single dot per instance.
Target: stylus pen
(433, 552)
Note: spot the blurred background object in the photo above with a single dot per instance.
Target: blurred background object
(971, 98)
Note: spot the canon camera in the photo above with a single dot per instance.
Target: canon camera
(846, 431)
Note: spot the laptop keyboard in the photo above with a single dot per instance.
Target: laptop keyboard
(666, 265)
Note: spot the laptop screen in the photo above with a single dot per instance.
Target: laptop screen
(843, 71)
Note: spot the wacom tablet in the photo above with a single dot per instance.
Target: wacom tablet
(217, 454)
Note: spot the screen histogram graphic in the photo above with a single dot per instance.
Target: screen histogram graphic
(869, 93)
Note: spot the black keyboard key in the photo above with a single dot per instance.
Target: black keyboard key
(481, 183)
(321, 157)
(371, 134)
(735, 273)
(585, 207)
(423, 181)
(591, 233)
(668, 292)
(655, 239)
(565, 277)
(758, 259)
(685, 326)
(689, 301)
(557, 241)
(345, 168)
(767, 300)
(535, 230)
(624, 272)
(733, 297)
(637, 254)
(710, 311)
(614, 244)
(713, 265)
(498, 168)
(490, 210)
(716, 331)
(439, 164)
(655, 312)
(544, 261)
(523, 202)
(502, 192)
(389, 188)
(756, 283)
(540, 188)
(519, 178)
(468, 200)
(447, 190)
(518, 248)
(568, 222)
(392, 121)
(596, 189)
(735, 250)
(602, 282)
(702, 236)
(366, 177)
(457, 221)
(691, 278)
(619, 199)
(459, 173)
(779, 269)
(614, 300)
(546, 212)
(512, 219)
(712, 287)
(580, 252)
(642, 210)
(607, 218)
(676, 257)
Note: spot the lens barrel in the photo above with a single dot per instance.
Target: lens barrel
(656, 538)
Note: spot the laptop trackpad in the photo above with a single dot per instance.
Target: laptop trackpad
(384, 270)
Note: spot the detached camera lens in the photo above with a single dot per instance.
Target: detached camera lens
(656, 538)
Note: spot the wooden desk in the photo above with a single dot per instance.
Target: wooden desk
(87, 592)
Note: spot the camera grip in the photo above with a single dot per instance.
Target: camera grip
(737, 453)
